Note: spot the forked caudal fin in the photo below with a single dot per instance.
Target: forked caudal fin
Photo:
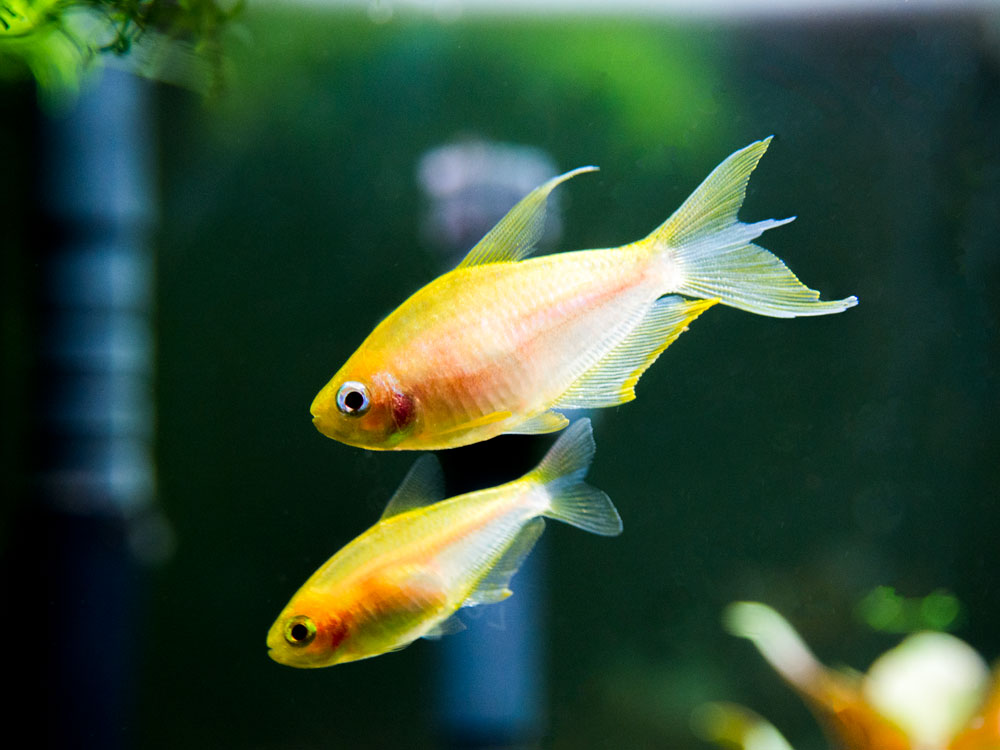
(712, 255)
(571, 500)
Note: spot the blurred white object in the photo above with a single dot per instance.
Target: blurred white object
(472, 183)
(931, 685)
(931, 692)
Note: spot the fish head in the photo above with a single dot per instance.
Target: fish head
(306, 635)
(365, 409)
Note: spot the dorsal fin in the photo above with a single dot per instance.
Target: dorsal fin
(422, 485)
(515, 235)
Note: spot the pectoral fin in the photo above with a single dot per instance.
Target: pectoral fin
(486, 419)
(445, 627)
(547, 421)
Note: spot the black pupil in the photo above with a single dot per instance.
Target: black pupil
(354, 400)
(300, 632)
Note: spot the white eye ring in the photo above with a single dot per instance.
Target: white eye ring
(352, 399)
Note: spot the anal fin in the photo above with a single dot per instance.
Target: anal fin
(495, 585)
(611, 381)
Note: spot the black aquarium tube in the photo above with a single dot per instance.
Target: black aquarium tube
(94, 482)
(490, 681)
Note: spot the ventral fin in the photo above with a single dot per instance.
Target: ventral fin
(547, 421)
(422, 485)
(611, 381)
(515, 235)
(495, 585)
(445, 627)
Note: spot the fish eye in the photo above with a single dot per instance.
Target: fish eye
(352, 398)
(300, 631)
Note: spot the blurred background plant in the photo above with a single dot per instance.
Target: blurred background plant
(884, 609)
(931, 692)
(59, 42)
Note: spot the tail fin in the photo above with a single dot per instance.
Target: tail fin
(572, 500)
(712, 254)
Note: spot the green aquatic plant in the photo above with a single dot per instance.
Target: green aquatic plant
(883, 609)
(60, 42)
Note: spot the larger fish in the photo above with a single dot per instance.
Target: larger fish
(404, 578)
(501, 345)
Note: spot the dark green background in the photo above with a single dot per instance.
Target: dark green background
(800, 463)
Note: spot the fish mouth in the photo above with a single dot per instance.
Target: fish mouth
(320, 424)
(276, 655)
(273, 642)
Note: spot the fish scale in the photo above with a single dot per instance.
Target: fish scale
(528, 349)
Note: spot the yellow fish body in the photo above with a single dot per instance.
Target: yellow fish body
(404, 578)
(501, 345)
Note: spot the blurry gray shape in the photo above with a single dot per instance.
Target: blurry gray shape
(471, 184)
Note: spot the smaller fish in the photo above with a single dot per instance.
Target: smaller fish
(406, 576)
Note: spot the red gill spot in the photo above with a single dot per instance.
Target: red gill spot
(402, 410)
(337, 632)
